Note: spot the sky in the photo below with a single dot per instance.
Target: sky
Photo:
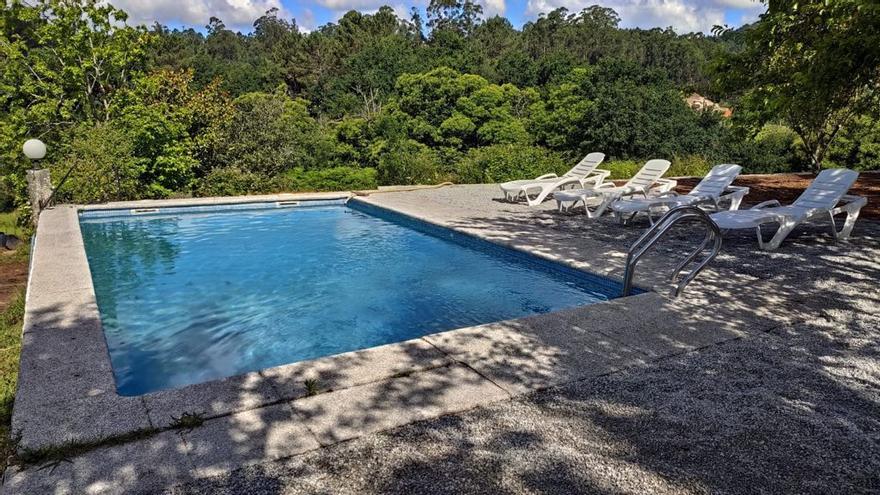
(682, 15)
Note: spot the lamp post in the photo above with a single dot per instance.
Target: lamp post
(39, 183)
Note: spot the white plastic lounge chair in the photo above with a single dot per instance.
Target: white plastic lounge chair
(646, 180)
(582, 174)
(825, 196)
(712, 191)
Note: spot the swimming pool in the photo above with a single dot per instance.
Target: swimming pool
(192, 294)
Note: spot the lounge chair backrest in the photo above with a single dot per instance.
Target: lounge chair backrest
(649, 173)
(827, 188)
(586, 166)
(716, 181)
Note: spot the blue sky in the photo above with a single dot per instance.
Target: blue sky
(682, 15)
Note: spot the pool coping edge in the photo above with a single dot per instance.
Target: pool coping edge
(61, 303)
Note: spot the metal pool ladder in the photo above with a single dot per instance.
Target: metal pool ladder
(656, 231)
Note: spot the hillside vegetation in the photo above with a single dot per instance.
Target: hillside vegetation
(374, 99)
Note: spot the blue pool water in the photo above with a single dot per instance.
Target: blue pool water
(190, 297)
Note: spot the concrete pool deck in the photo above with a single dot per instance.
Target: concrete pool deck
(67, 393)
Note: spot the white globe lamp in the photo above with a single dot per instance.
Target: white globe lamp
(34, 149)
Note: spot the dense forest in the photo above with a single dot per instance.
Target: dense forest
(152, 112)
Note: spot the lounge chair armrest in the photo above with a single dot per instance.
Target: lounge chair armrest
(849, 203)
(852, 198)
(772, 202)
(597, 177)
(547, 176)
(567, 180)
(734, 190)
(605, 185)
(664, 185)
(733, 194)
(600, 172)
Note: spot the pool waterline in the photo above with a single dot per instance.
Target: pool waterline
(204, 294)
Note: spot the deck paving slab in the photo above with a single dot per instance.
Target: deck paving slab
(354, 368)
(83, 420)
(57, 479)
(357, 411)
(534, 353)
(61, 311)
(240, 439)
(139, 467)
(210, 399)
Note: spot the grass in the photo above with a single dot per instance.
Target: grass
(312, 387)
(10, 347)
(10, 337)
(188, 420)
(9, 225)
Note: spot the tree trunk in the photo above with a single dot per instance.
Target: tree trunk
(816, 158)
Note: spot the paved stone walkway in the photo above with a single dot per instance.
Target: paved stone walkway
(764, 377)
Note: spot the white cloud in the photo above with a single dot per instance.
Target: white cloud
(683, 15)
(493, 7)
(306, 21)
(236, 14)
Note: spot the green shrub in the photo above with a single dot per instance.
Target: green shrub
(504, 162)
(776, 148)
(688, 166)
(103, 164)
(408, 162)
(329, 179)
(271, 133)
(857, 146)
(229, 181)
(9, 192)
(622, 169)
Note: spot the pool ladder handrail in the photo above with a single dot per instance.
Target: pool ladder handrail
(656, 231)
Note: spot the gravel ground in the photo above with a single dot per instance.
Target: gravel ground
(795, 410)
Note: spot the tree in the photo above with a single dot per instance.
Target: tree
(624, 110)
(814, 64)
(271, 133)
(462, 16)
(72, 55)
(62, 62)
(459, 111)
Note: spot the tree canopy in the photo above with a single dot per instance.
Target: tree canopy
(812, 64)
(377, 98)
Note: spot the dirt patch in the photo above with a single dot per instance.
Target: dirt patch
(787, 187)
(13, 276)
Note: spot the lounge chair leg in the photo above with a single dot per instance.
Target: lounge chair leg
(599, 209)
(848, 224)
(785, 228)
(735, 201)
(760, 237)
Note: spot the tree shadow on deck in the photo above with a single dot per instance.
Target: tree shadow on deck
(792, 410)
